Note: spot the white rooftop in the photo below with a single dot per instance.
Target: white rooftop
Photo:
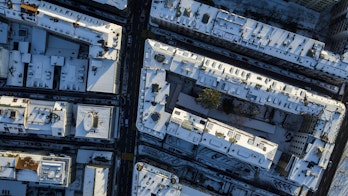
(119, 4)
(188, 191)
(7, 165)
(94, 121)
(306, 173)
(51, 172)
(38, 116)
(222, 138)
(239, 83)
(95, 181)
(4, 62)
(102, 76)
(12, 114)
(148, 180)
(19, 115)
(87, 156)
(3, 33)
(73, 75)
(233, 81)
(40, 72)
(46, 170)
(47, 51)
(237, 30)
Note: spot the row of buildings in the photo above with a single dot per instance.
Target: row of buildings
(159, 116)
(258, 40)
(86, 173)
(56, 118)
(168, 114)
(48, 48)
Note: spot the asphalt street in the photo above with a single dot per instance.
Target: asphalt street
(128, 133)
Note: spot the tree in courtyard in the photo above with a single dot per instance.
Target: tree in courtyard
(209, 98)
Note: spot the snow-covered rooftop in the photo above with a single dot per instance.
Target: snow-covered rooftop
(306, 173)
(40, 72)
(249, 34)
(160, 58)
(89, 156)
(102, 76)
(119, 4)
(48, 118)
(12, 114)
(73, 75)
(95, 181)
(19, 115)
(4, 61)
(46, 170)
(94, 121)
(51, 172)
(151, 180)
(47, 51)
(222, 138)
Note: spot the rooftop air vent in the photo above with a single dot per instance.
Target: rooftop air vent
(90, 121)
(160, 57)
(155, 88)
(155, 116)
(187, 12)
(168, 3)
(205, 18)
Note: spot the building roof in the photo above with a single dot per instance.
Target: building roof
(51, 172)
(4, 62)
(38, 116)
(188, 191)
(46, 170)
(47, 51)
(250, 34)
(230, 80)
(148, 180)
(102, 76)
(222, 138)
(12, 109)
(186, 126)
(95, 181)
(94, 121)
(73, 75)
(15, 69)
(90, 156)
(3, 33)
(306, 173)
(19, 115)
(40, 72)
(119, 4)
(7, 165)
(242, 84)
